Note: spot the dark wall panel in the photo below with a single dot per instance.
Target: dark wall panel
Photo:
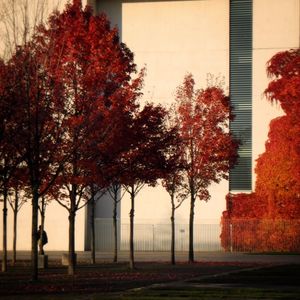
(240, 177)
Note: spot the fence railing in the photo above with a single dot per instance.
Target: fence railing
(261, 235)
(237, 236)
(157, 237)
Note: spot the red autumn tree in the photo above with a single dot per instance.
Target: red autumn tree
(209, 148)
(33, 124)
(92, 74)
(27, 94)
(37, 141)
(144, 161)
(111, 169)
(9, 158)
(108, 170)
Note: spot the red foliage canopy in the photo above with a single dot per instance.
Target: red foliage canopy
(91, 71)
(285, 87)
(148, 141)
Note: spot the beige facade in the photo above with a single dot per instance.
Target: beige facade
(276, 27)
(172, 38)
(176, 37)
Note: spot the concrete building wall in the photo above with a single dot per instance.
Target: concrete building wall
(172, 38)
(103, 215)
(175, 37)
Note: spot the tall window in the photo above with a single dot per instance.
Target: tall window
(240, 177)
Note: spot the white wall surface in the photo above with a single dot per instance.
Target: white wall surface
(175, 37)
(172, 38)
(56, 226)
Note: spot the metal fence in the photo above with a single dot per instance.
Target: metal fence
(234, 235)
(261, 235)
(157, 237)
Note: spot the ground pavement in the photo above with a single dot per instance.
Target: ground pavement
(217, 275)
(149, 256)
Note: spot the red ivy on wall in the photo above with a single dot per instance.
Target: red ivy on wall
(246, 226)
(269, 218)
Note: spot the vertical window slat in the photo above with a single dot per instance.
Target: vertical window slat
(240, 177)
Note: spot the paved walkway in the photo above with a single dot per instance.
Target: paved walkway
(180, 257)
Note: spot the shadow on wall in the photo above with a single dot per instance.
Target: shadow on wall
(113, 9)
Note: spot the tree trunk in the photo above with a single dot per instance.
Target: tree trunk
(14, 258)
(173, 232)
(34, 250)
(191, 229)
(131, 239)
(4, 251)
(71, 265)
(192, 207)
(43, 207)
(93, 247)
(115, 231)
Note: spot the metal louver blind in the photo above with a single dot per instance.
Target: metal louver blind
(240, 177)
